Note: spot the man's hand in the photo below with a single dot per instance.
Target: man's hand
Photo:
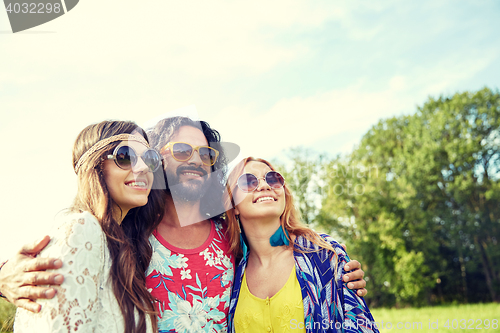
(355, 276)
(21, 276)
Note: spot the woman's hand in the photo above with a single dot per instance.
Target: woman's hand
(21, 276)
(355, 276)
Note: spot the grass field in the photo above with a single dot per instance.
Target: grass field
(429, 319)
(485, 317)
(7, 312)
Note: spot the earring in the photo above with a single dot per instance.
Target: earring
(243, 238)
(279, 238)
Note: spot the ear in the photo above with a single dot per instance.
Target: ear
(236, 211)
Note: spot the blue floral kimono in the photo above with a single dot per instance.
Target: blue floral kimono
(329, 306)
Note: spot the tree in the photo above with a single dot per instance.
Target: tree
(430, 213)
(466, 130)
(302, 178)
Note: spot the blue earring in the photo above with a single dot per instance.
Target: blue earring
(279, 238)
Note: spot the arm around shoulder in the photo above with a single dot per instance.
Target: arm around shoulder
(79, 242)
(23, 279)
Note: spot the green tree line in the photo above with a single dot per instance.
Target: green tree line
(417, 201)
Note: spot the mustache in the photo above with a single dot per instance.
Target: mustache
(181, 169)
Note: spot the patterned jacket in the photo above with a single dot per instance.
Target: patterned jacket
(329, 306)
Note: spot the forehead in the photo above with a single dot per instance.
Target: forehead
(190, 135)
(257, 168)
(137, 146)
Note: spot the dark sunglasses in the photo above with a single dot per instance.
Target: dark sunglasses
(125, 158)
(183, 152)
(249, 182)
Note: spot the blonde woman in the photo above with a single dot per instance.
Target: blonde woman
(290, 277)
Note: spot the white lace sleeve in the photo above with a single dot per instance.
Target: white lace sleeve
(80, 243)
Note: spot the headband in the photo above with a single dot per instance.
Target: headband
(103, 143)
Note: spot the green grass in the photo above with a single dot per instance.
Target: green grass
(408, 319)
(474, 315)
(7, 312)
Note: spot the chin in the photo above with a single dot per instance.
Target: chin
(140, 203)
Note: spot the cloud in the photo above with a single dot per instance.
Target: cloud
(198, 38)
(267, 75)
(304, 120)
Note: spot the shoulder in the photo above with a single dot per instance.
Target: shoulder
(306, 244)
(220, 227)
(311, 249)
(83, 226)
(320, 262)
(219, 223)
(339, 250)
(75, 231)
(76, 220)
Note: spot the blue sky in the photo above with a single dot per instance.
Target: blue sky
(268, 76)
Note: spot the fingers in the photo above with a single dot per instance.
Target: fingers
(354, 285)
(344, 247)
(352, 265)
(41, 264)
(28, 305)
(39, 278)
(35, 247)
(353, 276)
(34, 293)
(362, 292)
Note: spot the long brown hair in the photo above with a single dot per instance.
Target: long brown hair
(127, 242)
(289, 220)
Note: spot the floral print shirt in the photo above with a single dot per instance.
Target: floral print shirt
(329, 306)
(191, 287)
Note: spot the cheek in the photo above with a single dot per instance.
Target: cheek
(108, 177)
(283, 202)
(240, 197)
(151, 179)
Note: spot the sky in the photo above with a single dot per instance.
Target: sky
(267, 76)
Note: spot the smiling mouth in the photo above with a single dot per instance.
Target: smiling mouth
(264, 199)
(187, 173)
(136, 184)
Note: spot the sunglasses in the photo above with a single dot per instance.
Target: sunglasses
(125, 158)
(248, 182)
(183, 152)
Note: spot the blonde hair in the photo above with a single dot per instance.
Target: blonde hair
(290, 219)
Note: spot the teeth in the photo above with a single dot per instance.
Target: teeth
(140, 184)
(265, 199)
(192, 174)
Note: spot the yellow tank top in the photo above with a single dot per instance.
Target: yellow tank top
(284, 312)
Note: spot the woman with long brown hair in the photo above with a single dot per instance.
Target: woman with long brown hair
(103, 238)
(290, 278)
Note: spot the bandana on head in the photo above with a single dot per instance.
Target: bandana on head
(99, 145)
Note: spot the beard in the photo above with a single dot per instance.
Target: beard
(189, 191)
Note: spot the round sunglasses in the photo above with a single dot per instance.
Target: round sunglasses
(182, 152)
(248, 182)
(125, 158)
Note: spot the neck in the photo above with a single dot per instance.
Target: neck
(119, 214)
(258, 233)
(179, 213)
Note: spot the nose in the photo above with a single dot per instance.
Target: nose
(263, 185)
(195, 158)
(140, 166)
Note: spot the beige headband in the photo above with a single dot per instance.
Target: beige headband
(103, 143)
